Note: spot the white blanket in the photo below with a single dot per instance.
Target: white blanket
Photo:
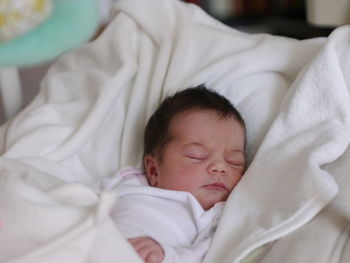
(87, 122)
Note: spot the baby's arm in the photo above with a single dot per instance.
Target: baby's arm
(148, 249)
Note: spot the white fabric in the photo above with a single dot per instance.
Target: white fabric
(311, 130)
(175, 219)
(87, 123)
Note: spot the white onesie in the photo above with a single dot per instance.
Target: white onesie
(175, 219)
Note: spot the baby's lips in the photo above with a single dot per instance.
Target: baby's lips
(216, 186)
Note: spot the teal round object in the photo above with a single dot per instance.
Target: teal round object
(71, 23)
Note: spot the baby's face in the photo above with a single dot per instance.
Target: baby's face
(205, 157)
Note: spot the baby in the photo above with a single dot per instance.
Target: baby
(194, 155)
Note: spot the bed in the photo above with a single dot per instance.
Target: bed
(87, 122)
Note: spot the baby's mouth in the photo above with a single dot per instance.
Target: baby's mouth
(216, 186)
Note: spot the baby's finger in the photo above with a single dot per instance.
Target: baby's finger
(142, 245)
(138, 242)
(149, 250)
(154, 257)
(144, 251)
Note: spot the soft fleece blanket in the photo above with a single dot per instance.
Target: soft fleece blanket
(87, 122)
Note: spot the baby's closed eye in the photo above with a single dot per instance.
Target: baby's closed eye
(195, 152)
(196, 156)
(236, 160)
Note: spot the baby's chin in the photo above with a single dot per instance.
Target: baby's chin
(207, 204)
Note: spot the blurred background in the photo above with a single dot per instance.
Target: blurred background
(291, 18)
(300, 19)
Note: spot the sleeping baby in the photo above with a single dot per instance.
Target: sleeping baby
(194, 156)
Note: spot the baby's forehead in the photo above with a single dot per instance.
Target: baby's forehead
(196, 121)
(209, 114)
(185, 129)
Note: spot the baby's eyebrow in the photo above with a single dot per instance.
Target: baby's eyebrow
(196, 144)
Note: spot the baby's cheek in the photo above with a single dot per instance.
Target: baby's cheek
(234, 181)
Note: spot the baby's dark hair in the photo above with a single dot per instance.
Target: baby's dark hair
(199, 97)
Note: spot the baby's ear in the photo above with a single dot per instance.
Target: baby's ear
(151, 167)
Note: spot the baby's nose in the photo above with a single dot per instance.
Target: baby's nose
(217, 167)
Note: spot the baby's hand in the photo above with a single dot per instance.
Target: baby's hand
(148, 249)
